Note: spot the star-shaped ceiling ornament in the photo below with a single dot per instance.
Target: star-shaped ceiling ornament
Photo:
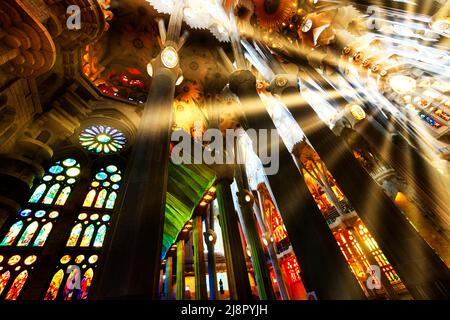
(200, 14)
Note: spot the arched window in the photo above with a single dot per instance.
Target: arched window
(88, 233)
(14, 270)
(31, 228)
(52, 291)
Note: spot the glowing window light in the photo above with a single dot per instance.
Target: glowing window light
(402, 84)
(102, 139)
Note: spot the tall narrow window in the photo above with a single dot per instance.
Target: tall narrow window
(31, 228)
(87, 235)
(14, 274)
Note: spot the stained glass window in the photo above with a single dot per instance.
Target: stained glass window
(87, 237)
(69, 288)
(4, 278)
(86, 284)
(12, 234)
(88, 231)
(89, 198)
(63, 196)
(14, 273)
(32, 221)
(55, 187)
(52, 291)
(28, 234)
(72, 270)
(51, 194)
(102, 139)
(17, 286)
(100, 236)
(37, 194)
(74, 235)
(43, 234)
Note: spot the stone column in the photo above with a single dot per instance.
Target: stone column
(260, 267)
(323, 267)
(132, 252)
(212, 274)
(168, 287)
(181, 285)
(238, 282)
(199, 260)
(424, 274)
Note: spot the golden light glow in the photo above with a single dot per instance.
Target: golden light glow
(402, 84)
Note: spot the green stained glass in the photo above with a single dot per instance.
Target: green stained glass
(37, 194)
(43, 235)
(50, 196)
(47, 178)
(71, 181)
(101, 199)
(12, 234)
(98, 242)
(111, 200)
(28, 234)
(87, 237)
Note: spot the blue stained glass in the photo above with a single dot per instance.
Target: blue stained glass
(111, 200)
(101, 176)
(25, 213)
(39, 214)
(37, 195)
(56, 169)
(100, 237)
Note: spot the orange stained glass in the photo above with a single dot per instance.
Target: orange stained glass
(4, 278)
(17, 286)
(74, 235)
(63, 196)
(53, 289)
(101, 199)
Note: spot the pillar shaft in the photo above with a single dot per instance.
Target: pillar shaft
(323, 267)
(410, 164)
(260, 267)
(133, 251)
(201, 292)
(238, 282)
(273, 256)
(168, 287)
(181, 283)
(421, 270)
(212, 274)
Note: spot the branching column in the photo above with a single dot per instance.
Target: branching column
(323, 267)
(421, 270)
